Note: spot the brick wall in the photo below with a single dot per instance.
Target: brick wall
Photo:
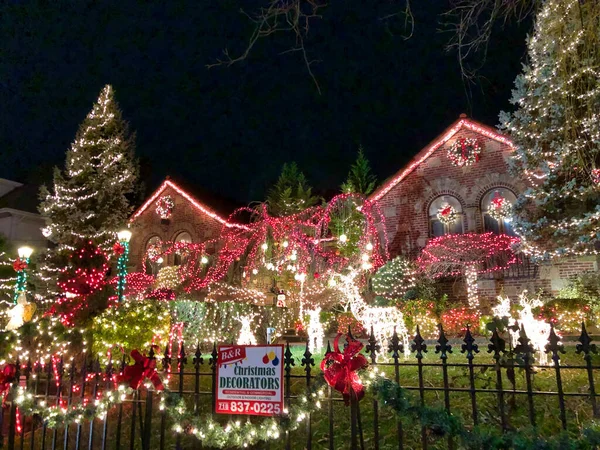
(185, 218)
(406, 207)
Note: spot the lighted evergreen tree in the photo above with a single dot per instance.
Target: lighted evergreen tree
(361, 179)
(90, 198)
(556, 130)
(291, 193)
(395, 278)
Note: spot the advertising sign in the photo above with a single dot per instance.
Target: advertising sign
(250, 380)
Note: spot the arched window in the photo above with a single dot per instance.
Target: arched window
(495, 207)
(152, 267)
(445, 216)
(180, 256)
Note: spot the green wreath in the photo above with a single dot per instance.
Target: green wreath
(464, 152)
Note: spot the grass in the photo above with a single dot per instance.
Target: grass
(574, 378)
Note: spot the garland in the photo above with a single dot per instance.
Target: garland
(438, 422)
(464, 152)
(164, 207)
(447, 214)
(500, 208)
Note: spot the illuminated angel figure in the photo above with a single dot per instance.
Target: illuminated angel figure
(315, 331)
(246, 335)
(17, 313)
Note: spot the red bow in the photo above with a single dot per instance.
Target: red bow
(118, 249)
(446, 210)
(340, 368)
(143, 368)
(19, 265)
(7, 376)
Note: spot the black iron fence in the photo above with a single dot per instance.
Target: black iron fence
(485, 381)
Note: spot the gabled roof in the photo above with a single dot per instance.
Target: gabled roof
(22, 198)
(462, 122)
(184, 193)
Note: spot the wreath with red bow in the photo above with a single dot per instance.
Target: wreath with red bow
(340, 368)
(447, 214)
(164, 207)
(464, 152)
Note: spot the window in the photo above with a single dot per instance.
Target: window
(152, 267)
(439, 227)
(181, 255)
(491, 222)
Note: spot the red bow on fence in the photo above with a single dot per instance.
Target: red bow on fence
(143, 368)
(7, 376)
(19, 265)
(339, 368)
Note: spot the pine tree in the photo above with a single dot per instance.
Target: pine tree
(90, 199)
(360, 178)
(557, 133)
(291, 193)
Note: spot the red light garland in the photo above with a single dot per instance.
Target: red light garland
(451, 254)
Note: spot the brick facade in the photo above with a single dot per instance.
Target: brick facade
(406, 200)
(189, 215)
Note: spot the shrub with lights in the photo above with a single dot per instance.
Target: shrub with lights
(129, 325)
(395, 278)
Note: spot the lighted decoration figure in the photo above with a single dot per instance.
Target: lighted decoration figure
(315, 331)
(537, 330)
(20, 266)
(384, 320)
(20, 313)
(246, 336)
(500, 208)
(468, 255)
(464, 152)
(447, 214)
(121, 250)
(164, 207)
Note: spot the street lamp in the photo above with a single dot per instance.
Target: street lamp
(124, 236)
(20, 266)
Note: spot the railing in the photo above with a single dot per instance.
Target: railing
(504, 389)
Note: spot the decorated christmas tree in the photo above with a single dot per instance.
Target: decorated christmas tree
(556, 131)
(90, 197)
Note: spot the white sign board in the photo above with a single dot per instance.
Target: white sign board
(250, 380)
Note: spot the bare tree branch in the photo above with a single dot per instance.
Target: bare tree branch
(471, 23)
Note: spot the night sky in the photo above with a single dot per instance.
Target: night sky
(229, 130)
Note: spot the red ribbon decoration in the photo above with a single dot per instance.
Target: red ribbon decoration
(19, 265)
(339, 369)
(143, 368)
(118, 249)
(446, 210)
(7, 376)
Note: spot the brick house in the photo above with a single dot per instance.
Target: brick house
(191, 219)
(412, 198)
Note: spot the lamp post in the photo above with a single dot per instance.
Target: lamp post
(20, 266)
(124, 237)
